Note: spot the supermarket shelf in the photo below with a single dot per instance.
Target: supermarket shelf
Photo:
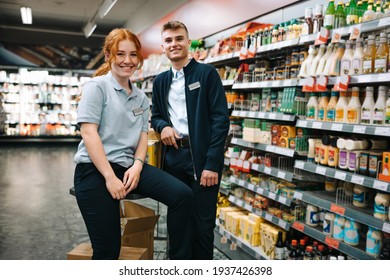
(343, 175)
(227, 82)
(224, 191)
(327, 201)
(40, 139)
(234, 247)
(261, 191)
(276, 172)
(223, 58)
(263, 147)
(343, 127)
(354, 252)
(270, 218)
(264, 115)
(266, 84)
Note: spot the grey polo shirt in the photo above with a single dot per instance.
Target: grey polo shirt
(120, 118)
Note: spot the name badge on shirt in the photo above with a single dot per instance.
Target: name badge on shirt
(194, 86)
(138, 111)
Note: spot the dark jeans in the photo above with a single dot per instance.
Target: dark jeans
(179, 164)
(101, 212)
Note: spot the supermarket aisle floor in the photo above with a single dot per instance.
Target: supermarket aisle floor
(39, 219)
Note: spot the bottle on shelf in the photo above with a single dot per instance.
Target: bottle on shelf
(351, 232)
(308, 253)
(357, 59)
(352, 15)
(329, 62)
(382, 55)
(331, 109)
(387, 118)
(333, 159)
(322, 63)
(379, 116)
(328, 224)
(374, 242)
(312, 107)
(279, 247)
(311, 215)
(323, 106)
(385, 254)
(301, 248)
(369, 56)
(307, 25)
(368, 106)
(293, 252)
(316, 60)
(338, 227)
(360, 196)
(381, 206)
(354, 107)
(339, 16)
(341, 107)
(346, 60)
(378, 10)
(369, 14)
(318, 20)
(329, 15)
(306, 65)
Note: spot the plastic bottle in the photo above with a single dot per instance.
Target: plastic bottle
(354, 107)
(369, 55)
(369, 14)
(307, 26)
(311, 150)
(330, 184)
(341, 108)
(311, 215)
(360, 196)
(379, 116)
(357, 59)
(334, 69)
(329, 15)
(307, 63)
(381, 206)
(351, 232)
(293, 253)
(321, 65)
(381, 55)
(338, 227)
(368, 107)
(328, 224)
(308, 253)
(312, 107)
(346, 60)
(316, 60)
(331, 109)
(323, 106)
(374, 242)
(333, 158)
(329, 62)
(356, 144)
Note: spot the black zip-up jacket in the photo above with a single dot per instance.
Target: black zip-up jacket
(207, 112)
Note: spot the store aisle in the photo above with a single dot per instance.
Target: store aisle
(39, 219)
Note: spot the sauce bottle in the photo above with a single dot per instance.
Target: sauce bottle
(312, 107)
(360, 196)
(374, 242)
(381, 206)
(316, 60)
(357, 59)
(323, 106)
(307, 26)
(346, 60)
(336, 59)
(331, 109)
(333, 158)
(318, 20)
(341, 108)
(378, 117)
(329, 62)
(381, 55)
(354, 107)
(352, 14)
(368, 106)
(339, 16)
(369, 56)
(322, 63)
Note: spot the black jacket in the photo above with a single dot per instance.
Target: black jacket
(207, 112)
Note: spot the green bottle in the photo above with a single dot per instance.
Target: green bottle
(364, 5)
(339, 17)
(352, 15)
(329, 15)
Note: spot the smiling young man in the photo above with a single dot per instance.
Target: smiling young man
(190, 112)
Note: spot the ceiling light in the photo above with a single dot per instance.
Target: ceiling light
(105, 7)
(89, 28)
(25, 12)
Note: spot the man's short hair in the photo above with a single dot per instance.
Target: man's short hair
(173, 25)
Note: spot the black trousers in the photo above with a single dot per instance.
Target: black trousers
(102, 216)
(179, 164)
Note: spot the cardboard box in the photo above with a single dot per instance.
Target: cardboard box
(84, 252)
(138, 224)
(154, 149)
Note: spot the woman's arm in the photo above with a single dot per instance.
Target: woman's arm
(94, 145)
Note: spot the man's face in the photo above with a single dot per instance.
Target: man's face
(175, 44)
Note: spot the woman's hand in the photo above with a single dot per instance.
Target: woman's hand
(132, 176)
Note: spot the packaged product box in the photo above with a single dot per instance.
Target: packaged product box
(84, 252)
(138, 224)
(222, 214)
(244, 222)
(233, 221)
(288, 131)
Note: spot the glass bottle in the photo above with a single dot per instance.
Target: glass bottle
(307, 25)
(339, 16)
(368, 106)
(293, 252)
(279, 247)
(357, 59)
(329, 15)
(381, 55)
(352, 16)
(369, 55)
(360, 11)
(380, 107)
(308, 253)
(318, 20)
(354, 107)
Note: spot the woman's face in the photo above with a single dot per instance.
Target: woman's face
(126, 60)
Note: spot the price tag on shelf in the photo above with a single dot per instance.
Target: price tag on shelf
(340, 175)
(380, 185)
(233, 162)
(272, 195)
(251, 51)
(322, 36)
(240, 182)
(332, 242)
(281, 175)
(337, 127)
(282, 199)
(386, 227)
(384, 22)
(302, 123)
(239, 163)
(270, 148)
(223, 240)
(342, 83)
(336, 36)
(337, 209)
(282, 223)
(357, 179)
(251, 187)
(297, 195)
(359, 129)
(383, 131)
(233, 246)
(268, 217)
(227, 235)
(272, 116)
(317, 125)
(267, 170)
(260, 191)
(310, 84)
(252, 114)
(299, 226)
(239, 243)
(355, 31)
(241, 113)
(261, 115)
(243, 53)
(322, 83)
(248, 207)
(240, 203)
(286, 117)
(321, 170)
(299, 164)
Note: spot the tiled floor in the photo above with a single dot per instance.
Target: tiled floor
(39, 219)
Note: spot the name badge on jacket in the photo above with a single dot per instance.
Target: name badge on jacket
(138, 111)
(194, 86)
